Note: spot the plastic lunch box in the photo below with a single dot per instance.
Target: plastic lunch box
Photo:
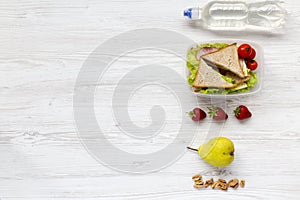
(259, 71)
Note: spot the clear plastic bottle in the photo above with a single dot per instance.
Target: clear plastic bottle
(238, 15)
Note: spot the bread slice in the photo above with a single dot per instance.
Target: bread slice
(226, 58)
(207, 77)
(237, 80)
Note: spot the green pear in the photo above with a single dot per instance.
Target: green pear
(218, 152)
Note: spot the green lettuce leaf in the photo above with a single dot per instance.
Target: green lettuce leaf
(211, 91)
(253, 80)
(229, 80)
(217, 45)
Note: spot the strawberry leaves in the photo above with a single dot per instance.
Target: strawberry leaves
(217, 113)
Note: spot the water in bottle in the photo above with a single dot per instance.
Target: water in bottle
(238, 15)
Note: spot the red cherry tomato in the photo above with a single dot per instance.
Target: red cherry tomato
(252, 55)
(252, 64)
(244, 51)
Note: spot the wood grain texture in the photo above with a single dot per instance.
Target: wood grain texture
(43, 46)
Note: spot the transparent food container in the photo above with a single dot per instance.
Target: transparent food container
(259, 71)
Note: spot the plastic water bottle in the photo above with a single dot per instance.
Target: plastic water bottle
(238, 15)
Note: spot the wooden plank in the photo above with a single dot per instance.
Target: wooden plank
(43, 46)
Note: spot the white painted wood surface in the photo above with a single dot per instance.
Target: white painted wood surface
(43, 46)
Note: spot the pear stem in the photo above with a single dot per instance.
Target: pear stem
(190, 148)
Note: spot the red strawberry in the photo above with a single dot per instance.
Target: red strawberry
(242, 112)
(197, 114)
(217, 113)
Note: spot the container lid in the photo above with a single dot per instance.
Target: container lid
(188, 13)
(193, 13)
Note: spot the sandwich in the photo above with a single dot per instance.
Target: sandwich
(208, 77)
(226, 58)
(220, 71)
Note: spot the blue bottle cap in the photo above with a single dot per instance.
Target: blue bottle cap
(188, 13)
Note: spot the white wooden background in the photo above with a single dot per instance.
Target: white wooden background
(43, 45)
